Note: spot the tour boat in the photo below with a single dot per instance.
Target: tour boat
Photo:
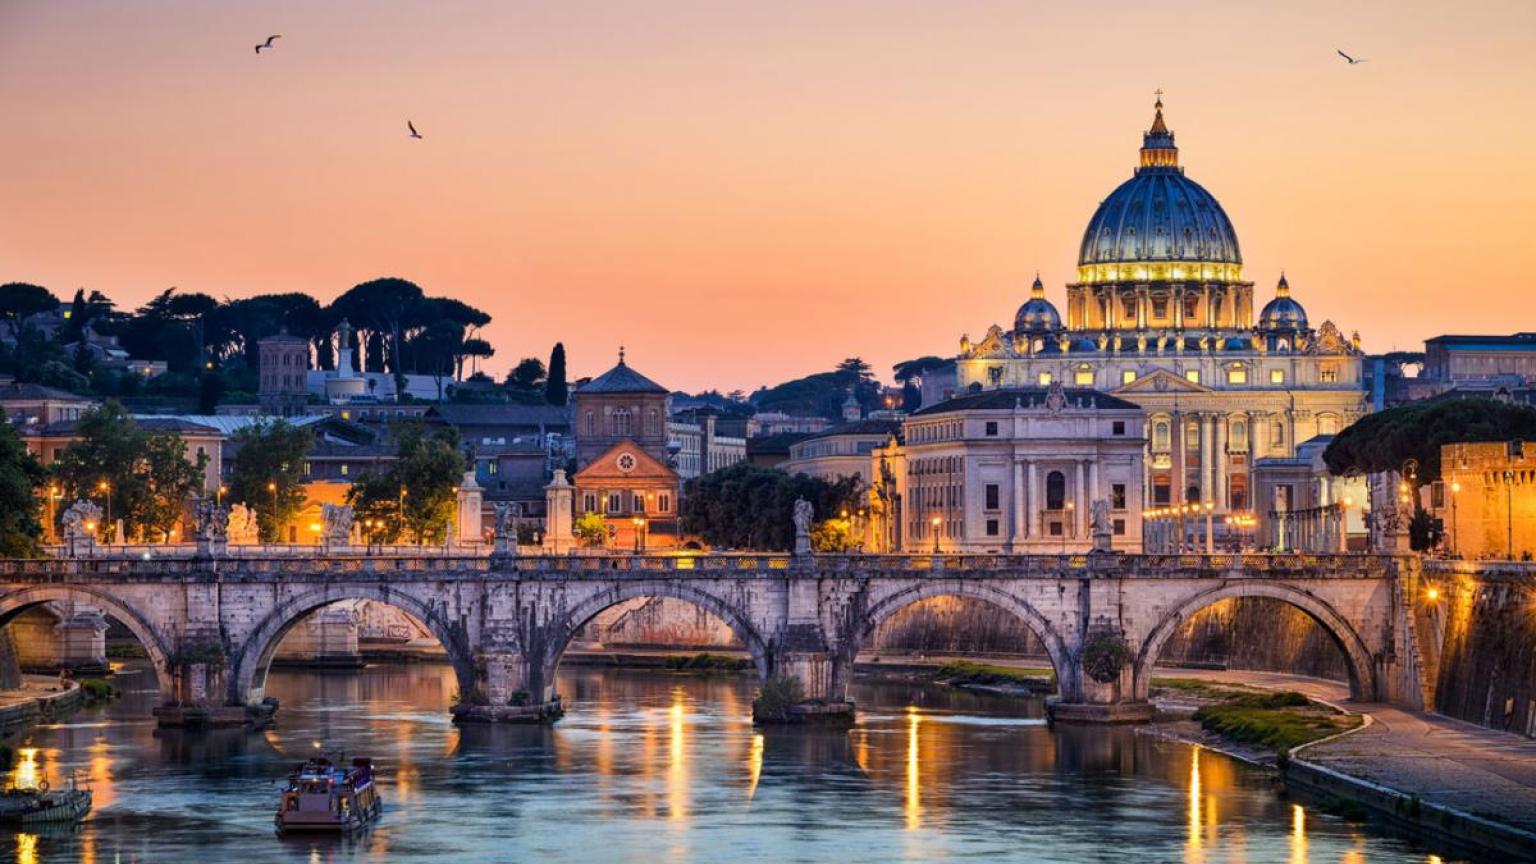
(39, 804)
(321, 796)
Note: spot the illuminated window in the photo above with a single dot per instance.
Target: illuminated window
(1083, 378)
(1329, 374)
(1045, 379)
(1127, 376)
(1160, 435)
(1277, 376)
(345, 469)
(1237, 375)
(1327, 424)
(1192, 375)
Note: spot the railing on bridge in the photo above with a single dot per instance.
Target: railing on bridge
(471, 560)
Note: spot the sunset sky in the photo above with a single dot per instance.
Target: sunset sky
(745, 192)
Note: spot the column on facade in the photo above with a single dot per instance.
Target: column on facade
(1094, 492)
(1178, 307)
(1141, 308)
(1032, 498)
(1221, 497)
(1079, 493)
(1020, 525)
(1176, 494)
(1210, 313)
(1207, 466)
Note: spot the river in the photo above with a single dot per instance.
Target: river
(650, 766)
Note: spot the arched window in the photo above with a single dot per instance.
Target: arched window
(1160, 435)
(1055, 491)
(621, 421)
(1327, 424)
(1192, 494)
(1192, 436)
(591, 426)
(1239, 435)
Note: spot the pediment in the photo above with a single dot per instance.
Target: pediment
(1161, 381)
(625, 459)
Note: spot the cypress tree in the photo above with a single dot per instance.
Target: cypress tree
(555, 390)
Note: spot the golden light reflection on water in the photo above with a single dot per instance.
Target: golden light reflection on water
(913, 809)
(677, 759)
(27, 773)
(1298, 834)
(754, 764)
(103, 790)
(1193, 851)
(26, 849)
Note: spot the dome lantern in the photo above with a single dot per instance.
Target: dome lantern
(1157, 147)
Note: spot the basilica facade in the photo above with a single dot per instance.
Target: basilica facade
(1160, 316)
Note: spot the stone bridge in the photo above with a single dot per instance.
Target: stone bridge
(210, 626)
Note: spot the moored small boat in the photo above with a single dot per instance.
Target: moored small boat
(324, 797)
(41, 805)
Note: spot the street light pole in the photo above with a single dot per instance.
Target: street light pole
(935, 522)
(276, 532)
(1509, 514)
(106, 492)
(1455, 540)
(1210, 534)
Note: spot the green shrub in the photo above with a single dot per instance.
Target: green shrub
(777, 695)
(707, 662)
(1104, 656)
(520, 698)
(96, 689)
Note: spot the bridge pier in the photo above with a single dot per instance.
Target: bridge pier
(823, 686)
(196, 703)
(508, 689)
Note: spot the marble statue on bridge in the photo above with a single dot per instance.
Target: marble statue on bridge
(803, 514)
(336, 520)
(80, 523)
(244, 530)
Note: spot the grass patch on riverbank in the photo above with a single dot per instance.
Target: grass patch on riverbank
(963, 672)
(1278, 720)
(707, 662)
(95, 689)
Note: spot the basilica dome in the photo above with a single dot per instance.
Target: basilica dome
(1037, 315)
(1283, 313)
(1159, 224)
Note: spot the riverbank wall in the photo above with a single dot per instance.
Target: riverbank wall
(1407, 811)
(21, 710)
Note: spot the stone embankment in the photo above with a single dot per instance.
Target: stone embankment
(41, 697)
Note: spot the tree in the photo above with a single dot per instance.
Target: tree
(556, 391)
(1425, 532)
(591, 529)
(143, 478)
(210, 390)
(749, 507)
(384, 306)
(268, 473)
(1384, 441)
(170, 481)
(917, 367)
(416, 496)
(19, 300)
(527, 376)
(20, 478)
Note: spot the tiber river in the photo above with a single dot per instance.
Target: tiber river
(649, 766)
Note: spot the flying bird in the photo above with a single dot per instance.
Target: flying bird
(268, 43)
(412, 126)
(1352, 61)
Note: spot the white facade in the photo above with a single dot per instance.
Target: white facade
(1011, 471)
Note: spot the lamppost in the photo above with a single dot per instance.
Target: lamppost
(105, 489)
(400, 516)
(1070, 526)
(1509, 514)
(272, 487)
(54, 494)
(218, 495)
(1210, 534)
(1455, 545)
(935, 522)
(639, 525)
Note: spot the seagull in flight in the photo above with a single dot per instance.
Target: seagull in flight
(412, 126)
(268, 43)
(1352, 61)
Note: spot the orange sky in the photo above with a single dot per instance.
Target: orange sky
(744, 192)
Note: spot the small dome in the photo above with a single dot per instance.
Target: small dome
(1037, 315)
(1283, 313)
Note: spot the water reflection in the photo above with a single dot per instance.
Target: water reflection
(650, 766)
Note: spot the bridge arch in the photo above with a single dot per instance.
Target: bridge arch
(1062, 661)
(248, 677)
(578, 616)
(159, 653)
(1362, 675)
